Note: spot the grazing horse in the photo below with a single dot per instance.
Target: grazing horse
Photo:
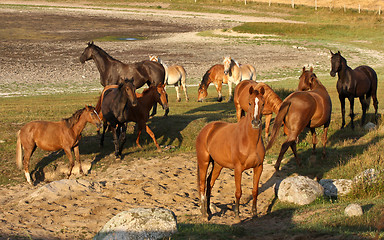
(237, 146)
(310, 107)
(53, 136)
(113, 103)
(114, 72)
(271, 105)
(360, 82)
(140, 113)
(216, 76)
(174, 75)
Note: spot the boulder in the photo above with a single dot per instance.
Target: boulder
(353, 210)
(368, 176)
(336, 187)
(299, 190)
(369, 126)
(139, 223)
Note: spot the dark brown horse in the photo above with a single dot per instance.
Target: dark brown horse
(309, 107)
(140, 113)
(360, 82)
(53, 136)
(216, 76)
(113, 104)
(271, 105)
(114, 72)
(237, 146)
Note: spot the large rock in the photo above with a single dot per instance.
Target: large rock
(353, 209)
(336, 187)
(368, 176)
(139, 223)
(299, 190)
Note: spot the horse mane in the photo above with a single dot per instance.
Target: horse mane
(272, 97)
(101, 51)
(71, 121)
(235, 62)
(205, 78)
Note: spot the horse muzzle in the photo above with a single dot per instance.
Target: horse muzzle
(226, 72)
(332, 73)
(256, 123)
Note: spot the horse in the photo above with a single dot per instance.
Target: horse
(360, 82)
(310, 107)
(174, 75)
(237, 146)
(216, 76)
(54, 136)
(114, 72)
(271, 105)
(113, 104)
(140, 113)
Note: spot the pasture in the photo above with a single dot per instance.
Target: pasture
(42, 78)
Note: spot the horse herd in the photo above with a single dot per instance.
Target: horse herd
(237, 146)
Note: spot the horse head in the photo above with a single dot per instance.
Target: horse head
(129, 89)
(336, 61)
(202, 92)
(307, 80)
(87, 53)
(256, 105)
(227, 61)
(162, 97)
(93, 117)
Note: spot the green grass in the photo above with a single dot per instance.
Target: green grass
(348, 152)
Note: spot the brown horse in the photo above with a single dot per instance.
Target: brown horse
(360, 82)
(272, 101)
(216, 76)
(53, 136)
(236, 146)
(140, 113)
(114, 72)
(309, 107)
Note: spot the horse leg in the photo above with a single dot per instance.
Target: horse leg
(238, 193)
(154, 109)
(203, 160)
(177, 88)
(28, 151)
(218, 89)
(351, 113)
(342, 102)
(77, 157)
(102, 135)
(267, 123)
(68, 152)
(185, 90)
(256, 177)
(325, 140)
(149, 131)
(364, 107)
(314, 140)
(122, 138)
(116, 143)
(289, 143)
(294, 150)
(230, 97)
(210, 182)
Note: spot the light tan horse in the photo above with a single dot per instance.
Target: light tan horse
(174, 75)
(219, 143)
(310, 107)
(53, 136)
(237, 72)
(272, 101)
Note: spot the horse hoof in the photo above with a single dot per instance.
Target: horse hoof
(118, 159)
(179, 100)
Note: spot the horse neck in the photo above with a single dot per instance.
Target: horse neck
(273, 99)
(245, 124)
(345, 69)
(234, 66)
(101, 59)
(78, 127)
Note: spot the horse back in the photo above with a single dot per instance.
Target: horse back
(366, 80)
(150, 72)
(248, 72)
(217, 74)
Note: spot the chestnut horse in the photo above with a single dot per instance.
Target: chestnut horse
(174, 75)
(140, 113)
(113, 103)
(114, 72)
(237, 146)
(53, 136)
(271, 105)
(310, 107)
(216, 76)
(360, 82)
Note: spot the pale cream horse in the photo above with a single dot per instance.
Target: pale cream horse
(174, 75)
(237, 72)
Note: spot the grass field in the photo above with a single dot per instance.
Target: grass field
(348, 152)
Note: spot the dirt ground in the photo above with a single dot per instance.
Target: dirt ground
(41, 47)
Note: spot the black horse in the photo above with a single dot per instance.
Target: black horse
(114, 104)
(114, 72)
(360, 82)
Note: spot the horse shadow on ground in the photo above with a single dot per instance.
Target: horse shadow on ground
(313, 165)
(86, 146)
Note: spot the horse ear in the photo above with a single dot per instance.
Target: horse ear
(262, 91)
(304, 69)
(331, 52)
(338, 52)
(311, 69)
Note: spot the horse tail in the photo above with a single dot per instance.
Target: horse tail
(19, 152)
(278, 122)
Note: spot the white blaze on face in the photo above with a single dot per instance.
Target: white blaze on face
(256, 112)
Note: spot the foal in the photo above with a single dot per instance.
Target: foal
(53, 136)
